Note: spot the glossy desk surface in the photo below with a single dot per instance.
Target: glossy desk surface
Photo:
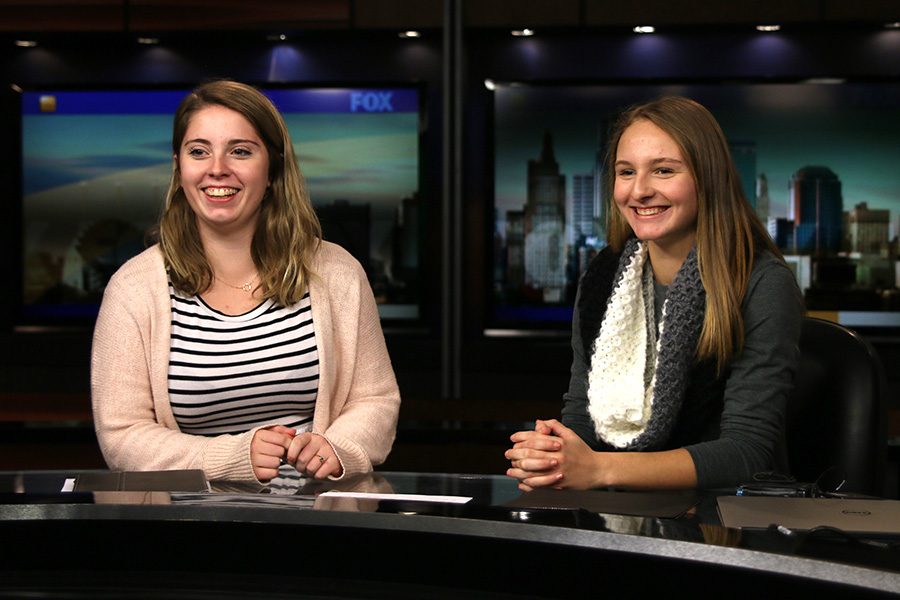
(401, 546)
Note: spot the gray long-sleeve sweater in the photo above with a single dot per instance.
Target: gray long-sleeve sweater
(732, 425)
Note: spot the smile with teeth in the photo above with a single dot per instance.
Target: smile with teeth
(220, 192)
(649, 211)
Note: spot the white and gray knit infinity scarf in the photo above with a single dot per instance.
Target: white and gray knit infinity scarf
(638, 377)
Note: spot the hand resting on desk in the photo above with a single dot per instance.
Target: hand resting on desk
(309, 453)
(268, 448)
(555, 456)
(552, 455)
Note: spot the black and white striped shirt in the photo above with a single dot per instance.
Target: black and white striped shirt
(228, 374)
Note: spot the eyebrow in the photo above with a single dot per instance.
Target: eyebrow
(655, 161)
(230, 142)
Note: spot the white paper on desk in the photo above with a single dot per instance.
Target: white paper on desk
(69, 485)
(410, 497)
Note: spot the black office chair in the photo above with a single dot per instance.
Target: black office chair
(836, 415)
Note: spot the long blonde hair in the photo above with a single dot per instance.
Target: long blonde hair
(287, 230)
(728, 231)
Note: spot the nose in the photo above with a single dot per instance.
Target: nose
(642, 187)
(218, 166)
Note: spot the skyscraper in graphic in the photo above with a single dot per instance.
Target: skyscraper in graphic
(782, 232)
(583, 209)
(515, 248)
(601, 191)
(868, 229)
(763, 202)
(743, 153)
(348, 225)
(815, 205)
(405, 259)
(545, 217)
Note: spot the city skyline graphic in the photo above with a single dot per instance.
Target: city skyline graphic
(817, 161)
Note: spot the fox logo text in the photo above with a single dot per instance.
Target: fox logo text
(371, 102)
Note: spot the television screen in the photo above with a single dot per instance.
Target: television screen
(96, 165)
(817, 159)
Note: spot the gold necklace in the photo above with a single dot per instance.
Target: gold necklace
(247, 287)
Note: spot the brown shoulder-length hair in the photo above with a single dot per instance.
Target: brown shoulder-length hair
(287, 231)
(728, 231)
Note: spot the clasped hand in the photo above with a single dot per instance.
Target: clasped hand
(309, 453)
(552, 456)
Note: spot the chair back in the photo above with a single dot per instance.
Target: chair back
(836, 415)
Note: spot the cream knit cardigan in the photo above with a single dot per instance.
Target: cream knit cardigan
(358, 399)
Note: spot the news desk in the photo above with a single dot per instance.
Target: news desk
(239, 541)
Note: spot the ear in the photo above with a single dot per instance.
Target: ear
(176, 169)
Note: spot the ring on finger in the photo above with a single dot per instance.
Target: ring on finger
(321, 458)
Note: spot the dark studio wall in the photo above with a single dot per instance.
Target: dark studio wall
(44, 372)
(55, 360)
(531, 373)
(692, 55)
(503, 380)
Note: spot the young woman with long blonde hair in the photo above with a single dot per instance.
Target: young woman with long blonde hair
(685, 329)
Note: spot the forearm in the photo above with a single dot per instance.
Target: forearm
(670, 469)
(134, 426)
(364, 402)
(363, 432)
(553, 455)
(135, 444)
(726, 462)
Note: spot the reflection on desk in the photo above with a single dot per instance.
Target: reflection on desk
(240, 541)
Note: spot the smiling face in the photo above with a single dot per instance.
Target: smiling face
(654, 189)
(224, 171)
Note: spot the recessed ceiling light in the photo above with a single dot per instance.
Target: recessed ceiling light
(523, 32)
(276, 37)
(410, 34)
(894, 25)
(26, 43)
(768, 27)
(148, 41)
(489, 84)
(825, 80)
(644, 29)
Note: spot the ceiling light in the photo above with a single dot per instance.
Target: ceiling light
(489, 84)
(276, 37)
(894, 25)
(768, 27)
(523, 32)
(410, 34)
(26, 43)
(825, 80)
(644, 29)
(148, 41)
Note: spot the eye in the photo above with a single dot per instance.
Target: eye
(196, 152)
(625, 172)
(665, 171)
(242, 152)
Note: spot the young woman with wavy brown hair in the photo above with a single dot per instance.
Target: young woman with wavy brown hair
(685, 328)
(242, 344)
